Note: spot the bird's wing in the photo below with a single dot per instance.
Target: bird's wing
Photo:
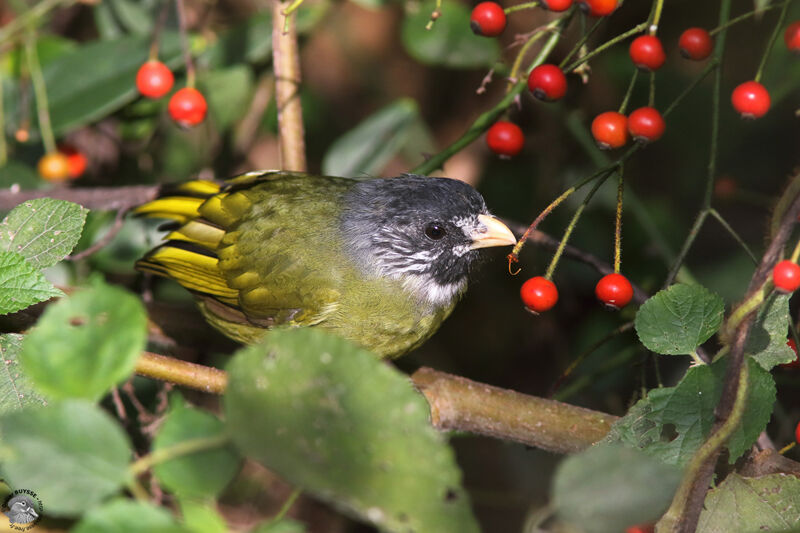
(230, 247)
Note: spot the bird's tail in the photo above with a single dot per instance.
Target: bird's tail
(189, 253)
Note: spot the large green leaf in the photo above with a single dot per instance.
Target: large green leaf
(86, 343)
(43, 230)
(22, 285)
(768, 503)
(672, 422)
(767, 341)
(339, 423)
(608, 488)
(16, 390)
(228, 93)
(128, 516)
(679, 319)
(199, 474)
(369, 146)
(72, 454)
(450, 42)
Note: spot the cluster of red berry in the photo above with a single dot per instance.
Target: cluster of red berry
(187, 106)
(612, 129)
(67, 163)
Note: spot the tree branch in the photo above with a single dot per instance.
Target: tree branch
(286, 63)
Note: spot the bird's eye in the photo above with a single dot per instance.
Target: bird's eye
(434, 231)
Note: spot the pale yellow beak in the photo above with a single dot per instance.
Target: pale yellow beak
(491, 232)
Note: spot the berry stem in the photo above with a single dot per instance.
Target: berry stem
(581, 41)
(40, 92)
(574, 222)
(487, 118)
(435, 14)
(740, 18)
(187, 54)
(618, 222)
(786, 448)
(514, 74)
(159, 26)
(295, 5)
(658, 7)
(651, 99)
(796, 253)
(712, 65)
(605, 46)
(714, 213)
(772, 38)
(549, 209)
(520, 7)
(628, 93)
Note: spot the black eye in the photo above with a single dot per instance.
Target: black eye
(434, 231)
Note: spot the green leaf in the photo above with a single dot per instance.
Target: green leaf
(128, 516)
(43, 231)
(334, 420)
(132, 15)
(72, 454)
(201, 517)
(369, 146)
(768, 503)
(672, 422)
(678, 320)
(86, 343)
(228, 93)
(767, 341)
(282, 526)
(450, 42)
(199, 474)
(608, 488)
(16, 390)
(19, 175)
(22, 285)
(249, 42)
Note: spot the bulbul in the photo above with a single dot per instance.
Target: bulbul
(379, 261)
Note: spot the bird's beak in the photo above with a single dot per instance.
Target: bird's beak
(491, 232)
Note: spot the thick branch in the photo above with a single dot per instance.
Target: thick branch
(110, 199)
(286, 62)
(184, 373)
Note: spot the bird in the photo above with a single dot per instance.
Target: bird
(379, 261)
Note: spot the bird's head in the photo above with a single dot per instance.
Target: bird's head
(425, 232)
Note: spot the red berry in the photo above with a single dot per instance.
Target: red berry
(786, 276)
(598, 8)
(539, 294)
(505, 138)
(797, 433)
(792, 37)
(641, 529)
(792, 364)
(76, 160)
(488, 19)
(725, 187)
(547, 83)
(53, 167)
(696, 44)
(187, 107)
(610, 130)
(646, 124)
(557, 5)
(614, 290)
(154, 79)
(751, 100)
(647, 53)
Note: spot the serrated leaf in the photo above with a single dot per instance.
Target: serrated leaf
(767, 341)
(199, 517)
(22, 285)
(333, 419)
(199, 474)
(369, 146)
(43, 230)
(86, 343)
(16, 390)
(72, 454)
(677, 320)
(128, 516)
(672, 422)
(450, 42)
(768, 503)
(608, 488)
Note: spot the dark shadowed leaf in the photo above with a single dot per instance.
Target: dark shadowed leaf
(128, 516)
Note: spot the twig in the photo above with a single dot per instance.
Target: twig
(102, 198)
(286, 63)
(119, 220)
